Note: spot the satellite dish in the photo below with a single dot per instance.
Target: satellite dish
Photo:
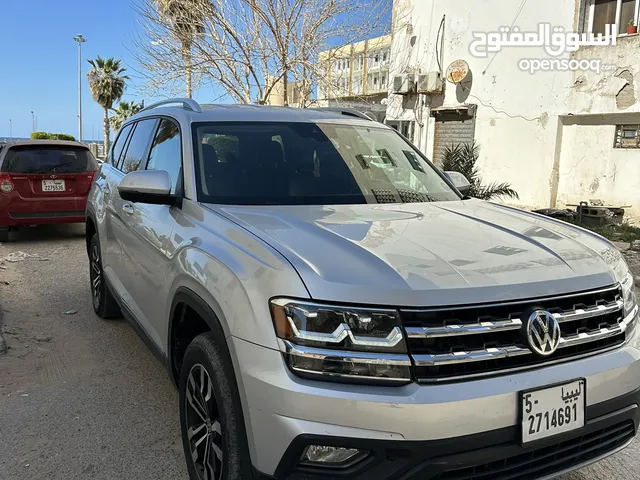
(457, 71)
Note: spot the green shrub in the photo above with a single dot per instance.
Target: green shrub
(40, 136)
(52, 136)
(63, 136)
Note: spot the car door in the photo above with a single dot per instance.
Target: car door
(148, 250)
(107, 180)
(132, 159)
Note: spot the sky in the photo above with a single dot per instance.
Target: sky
(39, 62)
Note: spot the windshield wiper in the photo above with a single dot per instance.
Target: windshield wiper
(48, 169)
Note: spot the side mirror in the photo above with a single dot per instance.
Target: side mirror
(459, 181)
(147, 186)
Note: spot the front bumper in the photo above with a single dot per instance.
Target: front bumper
(429, 432)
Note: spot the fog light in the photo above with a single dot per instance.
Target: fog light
(320, 455)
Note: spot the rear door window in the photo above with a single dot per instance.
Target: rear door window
(138, 150)
(118, 147)
(54, 159)
(166, 152)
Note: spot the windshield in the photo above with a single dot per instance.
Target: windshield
(311, 164)
(49, 159)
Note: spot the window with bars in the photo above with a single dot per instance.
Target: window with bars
(599, 13)
(627, 136)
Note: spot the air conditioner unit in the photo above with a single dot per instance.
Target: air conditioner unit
(430, 83)
(404, 84)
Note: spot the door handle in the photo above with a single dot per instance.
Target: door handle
(128, 208)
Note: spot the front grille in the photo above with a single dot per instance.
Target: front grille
(548, 460)
(449, 343)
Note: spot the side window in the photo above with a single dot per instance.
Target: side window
(118, 146)
(166, 152)
(138, 148)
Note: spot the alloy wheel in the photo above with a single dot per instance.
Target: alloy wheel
(204, 430)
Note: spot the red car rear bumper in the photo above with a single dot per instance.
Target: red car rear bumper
(15, 210)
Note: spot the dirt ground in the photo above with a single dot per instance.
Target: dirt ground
(80, 397)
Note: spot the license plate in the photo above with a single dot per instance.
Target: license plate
(554, 410)
(53, 186)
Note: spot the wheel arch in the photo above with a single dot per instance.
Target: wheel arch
(211, 315)
(91, 228)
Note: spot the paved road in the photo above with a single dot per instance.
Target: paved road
(83, 398)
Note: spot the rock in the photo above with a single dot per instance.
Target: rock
(635, 245)
(70, 312)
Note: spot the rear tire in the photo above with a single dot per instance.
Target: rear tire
(211, 420)
(103, 302)
(4, 234)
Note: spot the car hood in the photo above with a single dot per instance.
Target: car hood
(440, 253)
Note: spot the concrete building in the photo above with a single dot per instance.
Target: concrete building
(294, 97)
(558, 135)
(357, 76)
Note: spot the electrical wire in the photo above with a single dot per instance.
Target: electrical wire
(515, 19)
(438, 50)
(501, 112)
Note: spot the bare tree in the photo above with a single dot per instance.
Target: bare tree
(185, 20)
(164, 50)
(248, 47)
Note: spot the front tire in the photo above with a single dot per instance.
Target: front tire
(213, 433)
(4, 234)
(103, 302)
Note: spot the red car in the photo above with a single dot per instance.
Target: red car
(44, 181)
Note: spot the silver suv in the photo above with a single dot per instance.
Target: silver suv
(331, 306)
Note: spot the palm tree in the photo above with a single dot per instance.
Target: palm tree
(124, 111)
(185, 18)
(106, 82)
(462, 158)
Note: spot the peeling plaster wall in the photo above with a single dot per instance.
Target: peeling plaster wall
(613, 91)
(590, 168)
(518, 112)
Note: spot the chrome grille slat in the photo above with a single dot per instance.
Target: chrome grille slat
(581, 314)
(467, 329)
(488, 339)
(467, 357)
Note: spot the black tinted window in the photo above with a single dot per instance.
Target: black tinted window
(49, 159)
(136, 156)
(166, 153)
(311, 164)
(118, 147)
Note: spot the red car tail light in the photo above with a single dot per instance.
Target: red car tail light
(6, 184)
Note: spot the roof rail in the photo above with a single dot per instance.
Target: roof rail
(187, 104)
(352, 112)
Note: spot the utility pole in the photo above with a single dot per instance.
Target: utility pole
(33, 122)
(10, 130)
(80, 40)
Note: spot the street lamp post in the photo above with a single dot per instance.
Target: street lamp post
(33, 122)
(80, 39)
(10, 130)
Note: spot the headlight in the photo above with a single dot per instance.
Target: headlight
(628, 293)
(342, 343)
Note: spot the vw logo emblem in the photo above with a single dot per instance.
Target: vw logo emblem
(543, 333)
(53, 176)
